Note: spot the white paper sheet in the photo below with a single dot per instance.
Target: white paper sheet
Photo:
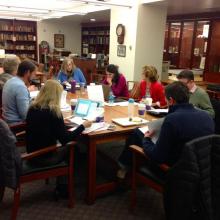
(155, 126)
(95, 93)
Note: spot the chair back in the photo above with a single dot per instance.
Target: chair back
(134, 89)
(193, 183)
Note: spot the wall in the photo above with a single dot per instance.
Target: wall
(72, 33)
(127, 17)
(144, 38)
(150, 38)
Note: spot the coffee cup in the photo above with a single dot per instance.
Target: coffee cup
(141, 109)
(73, 103)
(148, 103)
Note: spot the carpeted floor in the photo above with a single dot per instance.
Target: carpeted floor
(37, 203)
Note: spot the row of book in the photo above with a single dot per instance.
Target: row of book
(97, 40)
(18, 28)
(95, 32)
(19, 47)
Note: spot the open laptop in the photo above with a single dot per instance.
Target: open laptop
(86, 108)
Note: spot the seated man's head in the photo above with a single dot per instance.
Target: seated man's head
(177, 93)
(186, 77)
(150, 74)
(26, 71)
(10, 65)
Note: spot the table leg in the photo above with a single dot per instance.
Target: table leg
(91, 187)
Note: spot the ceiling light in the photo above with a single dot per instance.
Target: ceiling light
(92, 19)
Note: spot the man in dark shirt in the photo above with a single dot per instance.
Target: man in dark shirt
(182, 124)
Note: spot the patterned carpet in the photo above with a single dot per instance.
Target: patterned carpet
(37, 203)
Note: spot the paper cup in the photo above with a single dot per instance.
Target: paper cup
(73, 103)
(148, 103)
(141, 109)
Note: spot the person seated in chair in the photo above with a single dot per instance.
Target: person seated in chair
(182, 124)
(150, 87)
(70, 72)
(116, 81)
(15, 94)
(45, 126)
(10, 67)
(198, 96)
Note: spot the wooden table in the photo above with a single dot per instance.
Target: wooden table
(94, 138)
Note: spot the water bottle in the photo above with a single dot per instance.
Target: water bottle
(130, 109)
(111, 98)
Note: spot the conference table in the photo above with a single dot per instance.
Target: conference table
(98, 137)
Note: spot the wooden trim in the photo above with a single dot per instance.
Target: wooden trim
(193, 43)
(180, 44)
(195, 16)
(206, 70)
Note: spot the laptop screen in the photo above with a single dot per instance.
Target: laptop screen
(85, 108)
(82, 107)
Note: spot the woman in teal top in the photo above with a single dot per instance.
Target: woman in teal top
(70, 72)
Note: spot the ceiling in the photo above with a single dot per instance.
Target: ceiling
(175, 7)
(84, 10)
(49, 9)
(99, 16)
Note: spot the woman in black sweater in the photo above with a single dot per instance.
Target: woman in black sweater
(45, 125)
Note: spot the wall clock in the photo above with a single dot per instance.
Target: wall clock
(120, 31)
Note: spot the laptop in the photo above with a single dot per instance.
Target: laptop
(86, 109)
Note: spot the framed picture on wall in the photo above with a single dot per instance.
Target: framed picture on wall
(121, 51)
(59, 40)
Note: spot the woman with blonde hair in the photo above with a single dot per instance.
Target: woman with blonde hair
(150, 87)
(70, 72)
(45, 126)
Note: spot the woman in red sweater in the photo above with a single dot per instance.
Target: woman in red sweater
(150, 87)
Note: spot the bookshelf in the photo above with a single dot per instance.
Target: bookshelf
(19, 37)
(95, 38)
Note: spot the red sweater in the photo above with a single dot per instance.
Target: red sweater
(156, 92)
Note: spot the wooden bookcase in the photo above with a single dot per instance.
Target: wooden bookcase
(95, 38)
(19, 37)
(186, 47)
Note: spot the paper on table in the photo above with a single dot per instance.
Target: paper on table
(159, 110)
(94, 127)
(118, 104)
(153, 126)
(77, 120)
(126, 122)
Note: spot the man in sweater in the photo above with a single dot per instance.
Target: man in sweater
(198, 97)
(182, 124)
(15, 95)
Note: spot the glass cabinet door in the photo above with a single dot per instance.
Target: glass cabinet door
(166, 42)
(200, 48)
(186, 45)
(173, 49)
(214, 52)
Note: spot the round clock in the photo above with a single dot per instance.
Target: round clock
(120, 31)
